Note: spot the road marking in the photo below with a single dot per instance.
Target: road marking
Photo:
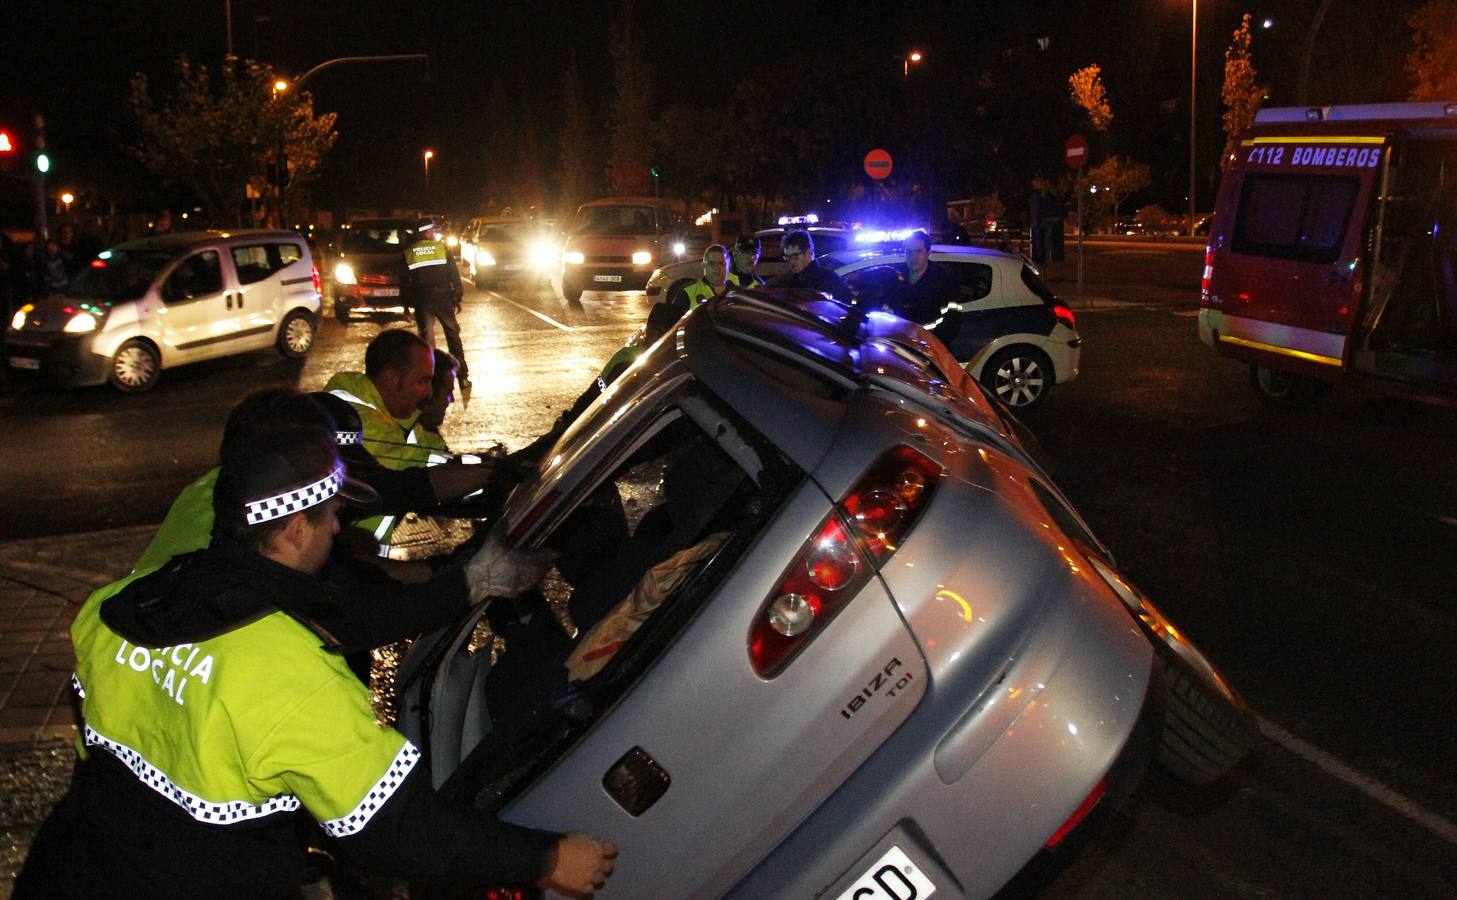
(1370, 787)
(1188, 313)
(542, 316)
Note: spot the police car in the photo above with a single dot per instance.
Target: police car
(1005, 326)
(828, 238)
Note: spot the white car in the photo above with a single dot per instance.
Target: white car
(1006, 326)
(827, 239)
(151, 304)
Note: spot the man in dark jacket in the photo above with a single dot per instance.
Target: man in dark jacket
(926, 290)
(216, 706)
(804, 272)
(432, 287)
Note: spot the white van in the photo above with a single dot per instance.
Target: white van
(151, 304)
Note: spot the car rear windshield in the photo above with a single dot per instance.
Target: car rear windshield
(1036, 285)
(1296, 217)
(375, 237)
(632, 220)
(119, 275)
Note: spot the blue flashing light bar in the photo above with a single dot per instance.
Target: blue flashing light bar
(881, 235)
(811, 219)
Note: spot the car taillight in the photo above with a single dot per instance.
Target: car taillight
(1208, 273)
(1078, 814)
(1065, 314)
(314, 271)
(850, 544)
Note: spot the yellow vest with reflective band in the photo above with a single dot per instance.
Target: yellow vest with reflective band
(423, 254)
(697, 292)
(394, 442)
(257, 721)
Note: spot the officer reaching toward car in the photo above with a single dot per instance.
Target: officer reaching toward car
(432, 287)
(215, 707)
(804, 272)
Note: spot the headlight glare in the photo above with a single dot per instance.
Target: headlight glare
(484, 258)
(574, 257)
(81, 323)
(543, 254)
(344, 273)
(17, 321)
(679, 249)
(642, 258)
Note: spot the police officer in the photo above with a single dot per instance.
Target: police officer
(745, 257)
(215, 709)
(926, 288)
(804, 272)
(714, 281)
(432, 286)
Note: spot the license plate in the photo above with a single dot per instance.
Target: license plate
(606, 277)
(24, 362)
(384, 292)
(892, 877)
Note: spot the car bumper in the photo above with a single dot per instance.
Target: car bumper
(596, 277)
(365, 298)
(65, 359)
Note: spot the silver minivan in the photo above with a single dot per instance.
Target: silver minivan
(151, 304)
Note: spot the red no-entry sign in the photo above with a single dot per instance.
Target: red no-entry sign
(1076, 151)
(877, 164)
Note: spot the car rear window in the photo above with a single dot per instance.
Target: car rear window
(1295, 217)
(255, 262)
(1036, 285)
(375, 237)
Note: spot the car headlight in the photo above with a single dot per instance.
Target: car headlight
(81, 323)
(344, 273)
(543, 254)
(452, 241)
(483, 258)
(574, 257)
(17, 321)
(679, 249)
(642, 258)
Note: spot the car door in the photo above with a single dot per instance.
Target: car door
(271, 281)
(197, 318)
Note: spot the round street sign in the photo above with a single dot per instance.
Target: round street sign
(877, 164)
(1076, 151)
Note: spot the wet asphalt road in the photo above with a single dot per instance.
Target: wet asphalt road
(1309, 554)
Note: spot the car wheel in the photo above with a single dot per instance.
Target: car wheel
(135, 367)
(1204, 736)
(1019, 377)
(296, 334)
(1286, 390)
(571, 291)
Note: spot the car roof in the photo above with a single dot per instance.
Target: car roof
(170, 243)
(879, 254)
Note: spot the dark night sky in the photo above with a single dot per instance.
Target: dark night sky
(72, 60)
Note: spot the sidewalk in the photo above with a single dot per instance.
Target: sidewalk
(43, 582)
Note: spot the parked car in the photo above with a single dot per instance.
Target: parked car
(151, 304)
(1006, 326)
(1331, 256)
(818, 618)
(365, 275)
(498, 249)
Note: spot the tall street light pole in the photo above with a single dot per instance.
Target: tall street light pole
(915, 56)
(429, 155)
(1193, 96)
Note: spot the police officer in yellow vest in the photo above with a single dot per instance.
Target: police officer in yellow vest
(432, 287)
(714, 281)
(214, 711)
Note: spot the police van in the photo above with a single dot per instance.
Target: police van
(1333, 252)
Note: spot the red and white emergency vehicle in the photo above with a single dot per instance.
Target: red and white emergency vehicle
(1333, 252)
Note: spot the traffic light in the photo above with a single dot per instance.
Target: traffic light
(6, 146)
(42, 163)
(7, 150)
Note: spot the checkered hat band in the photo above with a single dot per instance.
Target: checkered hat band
(345, 438)
(286, 504)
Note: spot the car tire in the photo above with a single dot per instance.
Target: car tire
(571, 291)
(1020, 376)
(135, 367)
(1286, 390)
(1204, 737)
(296, 334)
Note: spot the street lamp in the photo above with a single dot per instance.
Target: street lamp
(1193, 73)
(915, 56)
(68, 198)
(279, 87)
(429, 155)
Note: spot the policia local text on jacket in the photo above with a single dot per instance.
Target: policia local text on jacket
(432, 286)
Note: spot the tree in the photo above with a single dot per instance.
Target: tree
(1110, 182)
(580, 170)
(1432, 61)
(216, 139)
(630, 155)
(1241, 94)
(1086, 87)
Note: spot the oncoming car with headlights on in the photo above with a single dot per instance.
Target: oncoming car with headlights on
(816, 611)
(151, 304)
(615, 243)
(365, 274)
(501, 249)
